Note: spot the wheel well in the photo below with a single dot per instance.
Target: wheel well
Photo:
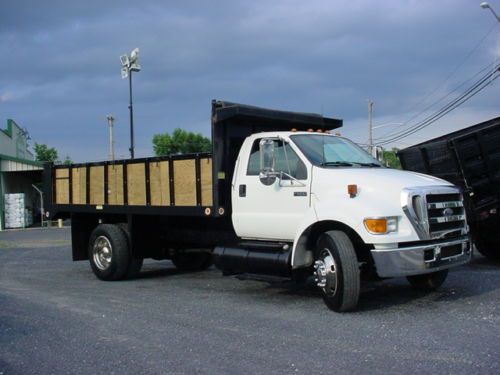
(82, 226)
(307, 242)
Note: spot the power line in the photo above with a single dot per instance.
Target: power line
(471, 52)
(468, 94)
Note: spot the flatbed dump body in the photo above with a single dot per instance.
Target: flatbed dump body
(177, 185)
(180, 184)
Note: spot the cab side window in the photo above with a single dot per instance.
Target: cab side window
(287, 161)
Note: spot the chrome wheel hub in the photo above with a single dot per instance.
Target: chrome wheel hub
(325, 272)
(102, 253)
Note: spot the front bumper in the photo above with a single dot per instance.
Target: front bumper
(415, 260)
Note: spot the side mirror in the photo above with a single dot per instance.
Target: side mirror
(267, 174)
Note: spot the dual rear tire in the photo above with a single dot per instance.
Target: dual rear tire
(110, 255)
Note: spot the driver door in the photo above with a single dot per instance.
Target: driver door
(271, 211)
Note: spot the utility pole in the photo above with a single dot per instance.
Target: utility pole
(111, 142)
(370, 127)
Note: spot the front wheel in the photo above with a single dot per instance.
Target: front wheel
(337, 271)
(428, 281)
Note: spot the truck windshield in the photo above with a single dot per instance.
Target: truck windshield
(332, 151)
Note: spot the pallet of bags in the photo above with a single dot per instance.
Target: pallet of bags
(15, 216)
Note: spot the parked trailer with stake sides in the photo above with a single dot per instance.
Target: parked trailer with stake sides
(278, 195)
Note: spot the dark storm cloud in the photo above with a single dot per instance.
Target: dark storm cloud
(60, 67)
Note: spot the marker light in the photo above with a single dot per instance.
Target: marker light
(381, 225)
(352, 190)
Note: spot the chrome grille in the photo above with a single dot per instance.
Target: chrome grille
(436, 212)
(445, 215)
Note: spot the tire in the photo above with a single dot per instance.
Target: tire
(109, 253)
(337, 271)
(135, 264)
(184, 261)
(428, 281)
(489, 248)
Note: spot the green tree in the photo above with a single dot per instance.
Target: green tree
(180, 142)
(67, 160)
(44, 153)
(391, 159)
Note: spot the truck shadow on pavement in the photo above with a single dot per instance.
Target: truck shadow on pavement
(463, 283)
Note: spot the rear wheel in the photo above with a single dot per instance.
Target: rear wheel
(337, 271)
(489, 248)
(185, 261)
(135, 264)
(428, 281)
(109, 253)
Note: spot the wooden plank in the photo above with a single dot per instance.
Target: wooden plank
(206, 182)
(115, 184)
(185, 182)
(136, 184)
(159, 183)
(96, 185)
(79, 180)
(62, 185)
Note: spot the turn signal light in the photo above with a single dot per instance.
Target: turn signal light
(378, 226)
(382, 225)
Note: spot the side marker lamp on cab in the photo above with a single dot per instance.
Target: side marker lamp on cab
(352, 190)
(382, 225)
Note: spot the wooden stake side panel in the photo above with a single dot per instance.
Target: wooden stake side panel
(136, 184)
(104, 184)
(206, 181)
(115, 184)
(185, 182)
(79, 185)
(62, 185)
(96, 185)
(159, 183)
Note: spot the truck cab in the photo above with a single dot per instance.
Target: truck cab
(342, 212)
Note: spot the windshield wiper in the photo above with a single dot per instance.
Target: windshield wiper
(367, 164)
(335, 164)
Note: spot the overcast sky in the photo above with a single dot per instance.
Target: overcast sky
(60, 67)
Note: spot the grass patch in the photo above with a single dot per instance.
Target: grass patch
(6, 245)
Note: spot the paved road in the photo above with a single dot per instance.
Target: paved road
(57, 318)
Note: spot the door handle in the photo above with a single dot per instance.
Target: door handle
(243, 190)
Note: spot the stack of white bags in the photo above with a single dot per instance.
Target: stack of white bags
(15, 216)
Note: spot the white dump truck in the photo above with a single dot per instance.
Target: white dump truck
(280, 195)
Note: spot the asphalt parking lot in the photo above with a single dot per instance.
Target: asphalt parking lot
(57, 318)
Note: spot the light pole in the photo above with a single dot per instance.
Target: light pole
(486, 5)
(130, 64)
(370, 127)
(110, 119)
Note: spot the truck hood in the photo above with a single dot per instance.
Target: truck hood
(381, 184)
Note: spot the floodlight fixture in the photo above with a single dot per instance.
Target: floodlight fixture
(125, 61)
(486, 5)
(124, 72)
(134, 55)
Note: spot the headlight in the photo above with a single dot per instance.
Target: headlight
(381, 225)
